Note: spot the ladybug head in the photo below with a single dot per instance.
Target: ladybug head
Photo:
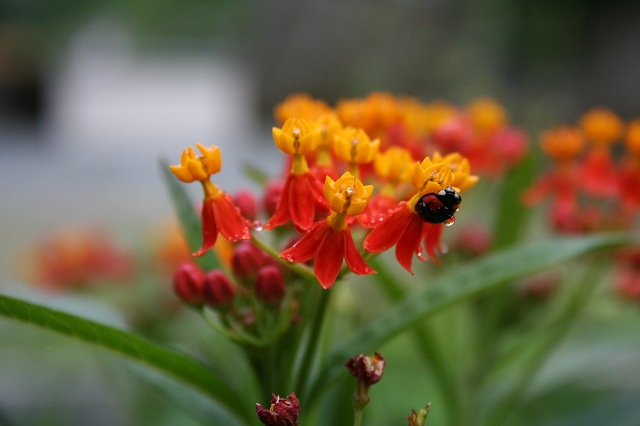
(449, 197)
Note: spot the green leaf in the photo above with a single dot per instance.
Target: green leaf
(169, 362)
(189, 219)
(511, 213)
(456, 286)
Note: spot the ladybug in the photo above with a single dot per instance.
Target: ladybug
(440, 207)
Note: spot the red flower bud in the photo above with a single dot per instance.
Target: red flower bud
(218, 289)
(246, 202)
(188, 284)
(282, 412)
(247, 259)
(269, 285)
(368, 370)
(272, 196)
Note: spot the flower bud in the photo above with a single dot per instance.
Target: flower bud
(366, 369)
(247, 259)
(188, 283)
(218, 289)
(282, 412)
(272, 194)
(419, 418)
(269, 285)
(246, 202)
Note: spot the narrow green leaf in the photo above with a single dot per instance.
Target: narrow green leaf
(169, 362)
(511, 213)
(459, 285)
(189, 219)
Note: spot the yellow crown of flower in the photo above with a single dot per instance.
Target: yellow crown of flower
(395, 164)
(459, 165)
(195, 167)
(354, 146)
(347, 194)
(487, 115)
(430, 177)
(300, 105)
(601, 126)
(422, 119)
(632, 139)
(562, 143)
(297, 136)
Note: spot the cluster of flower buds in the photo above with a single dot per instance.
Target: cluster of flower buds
(254, 268)
(321, 195)
(591, 187)
(197, 288)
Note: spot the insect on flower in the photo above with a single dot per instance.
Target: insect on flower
(439, 207)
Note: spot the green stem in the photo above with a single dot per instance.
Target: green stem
(312, 343)
(301, 270)
(426, 339)
(357, 416)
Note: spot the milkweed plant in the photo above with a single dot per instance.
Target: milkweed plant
(349, 253)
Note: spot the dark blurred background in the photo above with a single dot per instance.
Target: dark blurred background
(567, 54)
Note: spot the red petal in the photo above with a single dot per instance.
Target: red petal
(209, 227)
(388, 232)
(377, 208)
(598, 174)
(232, 225)
(301, 202)
(329, 257)
(281, 215)
(354, 260)
(409, 242)
(317, 189)
(308, 245)
(432, 233)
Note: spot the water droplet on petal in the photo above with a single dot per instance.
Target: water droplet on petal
(450, 221)
(257, 225)
(290, 258)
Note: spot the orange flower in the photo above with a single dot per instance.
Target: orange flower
(219, 214)
(562, 143)
(329, 241)
(601, 126)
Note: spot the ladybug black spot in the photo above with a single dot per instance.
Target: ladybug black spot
(440, 207)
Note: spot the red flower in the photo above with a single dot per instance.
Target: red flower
(404, 229)
(300, 199)
(377, 208)
(219, 214)
(329, 241)
(328, 246)
(598, 174)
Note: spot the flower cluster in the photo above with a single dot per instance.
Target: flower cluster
(75, 258)
(330, 152)
(590, 187)
(593, 183)
(381, 140)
